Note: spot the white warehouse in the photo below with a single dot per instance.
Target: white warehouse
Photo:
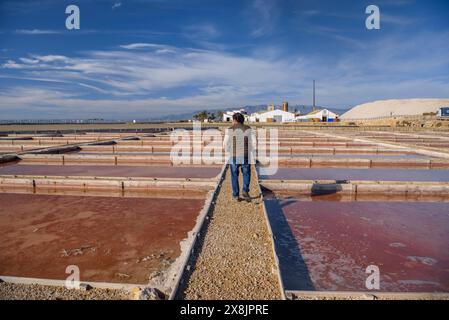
(323, 115)
(272, 116)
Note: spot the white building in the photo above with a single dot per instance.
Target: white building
(227, 116)
(323, 115)
(272, 116)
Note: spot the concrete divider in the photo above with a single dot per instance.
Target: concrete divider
(101, 183)
(309, 162)
(409, 189)
(43, 142)
(64, 148)
(427, 151)
(310, 187)
(164, 159)
(364, 295)
(42, 158)
(97, 148)
(336, 150)
(109, 159)
(143, 142)
(328, 162)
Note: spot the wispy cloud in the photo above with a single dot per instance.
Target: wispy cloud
(399, 20)
(116, 5)
(310, 12)
(263, 16)
(36, 31)
(202, 31)
(141, 45)
(395, 3)
(385, 16)
(138, 77)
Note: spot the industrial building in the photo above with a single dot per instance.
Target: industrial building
(322, 115)
(271, 114)
(274, 115)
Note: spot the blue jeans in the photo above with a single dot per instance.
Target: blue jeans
(246, 171)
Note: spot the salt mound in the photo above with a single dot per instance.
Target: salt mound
(396, 107)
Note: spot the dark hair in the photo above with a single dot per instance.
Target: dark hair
(238, 117)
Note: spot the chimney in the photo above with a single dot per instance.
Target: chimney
(314, 106)
(285, 106)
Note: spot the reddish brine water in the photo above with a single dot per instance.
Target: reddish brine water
(109, 239)
(359, 174)
(111, 171)
(327, 245)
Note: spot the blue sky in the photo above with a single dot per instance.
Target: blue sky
(143, 58)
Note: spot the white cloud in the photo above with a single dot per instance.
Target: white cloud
(36, 32)
(132, 78)
(116, 5)
(52, 58)
(141, 46)
(11, 64)
(29, 61)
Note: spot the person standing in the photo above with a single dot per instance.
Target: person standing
(239, 146)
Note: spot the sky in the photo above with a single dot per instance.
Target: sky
(139, 59)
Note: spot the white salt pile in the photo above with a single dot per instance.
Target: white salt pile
(396, 107)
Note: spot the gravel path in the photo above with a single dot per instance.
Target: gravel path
(235, 260)
(9, 291)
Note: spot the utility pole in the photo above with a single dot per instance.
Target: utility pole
(314, 96)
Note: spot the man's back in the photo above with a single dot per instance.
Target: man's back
(240, 136)
(240, 126)
(239, 146)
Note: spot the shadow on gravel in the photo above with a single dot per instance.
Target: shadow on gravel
(294, 272)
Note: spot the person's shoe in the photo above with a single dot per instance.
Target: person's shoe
(246, 196)
(238, 199)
